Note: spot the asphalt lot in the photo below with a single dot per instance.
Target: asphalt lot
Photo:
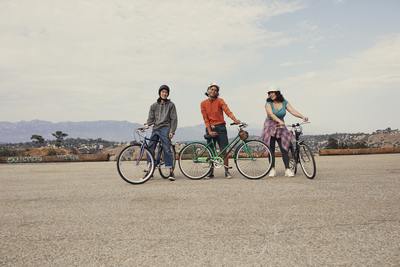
(84, 214)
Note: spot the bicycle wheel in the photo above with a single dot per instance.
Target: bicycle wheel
(307, 161)
(164, 172)
(193, 160)
(253, 159)
(133, 166)
(292, 160)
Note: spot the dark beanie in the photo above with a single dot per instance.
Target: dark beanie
(162, 87)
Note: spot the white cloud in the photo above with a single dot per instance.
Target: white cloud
(288, 64)
(307, 26)
(74, 60)
(339, 1)
(80, 58)
(360, 94)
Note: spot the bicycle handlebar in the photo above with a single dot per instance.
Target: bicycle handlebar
(241, 124)
(144, 127)
(297, 124)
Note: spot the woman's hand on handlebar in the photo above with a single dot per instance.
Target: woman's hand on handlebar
(280, 124)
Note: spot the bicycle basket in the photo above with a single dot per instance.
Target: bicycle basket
(243, 135)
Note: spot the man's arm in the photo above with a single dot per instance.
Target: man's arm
(206, 119)
(174, 121)
(205, 115)
(228, 112)
(151, 117)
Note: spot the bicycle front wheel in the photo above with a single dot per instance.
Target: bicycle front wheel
(135, 164)
(253, 159)
(164, 172)
(307, 161)
(194, 160)
(292, 160)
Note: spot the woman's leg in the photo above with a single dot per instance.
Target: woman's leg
(285, 154)
(272, 147)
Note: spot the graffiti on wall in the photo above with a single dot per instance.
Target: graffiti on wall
(36, 159)
(24, 159)
(68, 157)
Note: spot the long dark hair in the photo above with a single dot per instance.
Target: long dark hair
(279, 97)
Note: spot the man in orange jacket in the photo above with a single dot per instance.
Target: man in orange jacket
(212, 110)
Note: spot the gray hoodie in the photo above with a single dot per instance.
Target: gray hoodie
(164, 115)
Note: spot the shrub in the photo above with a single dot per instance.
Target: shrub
(5, 152)
(52, 153)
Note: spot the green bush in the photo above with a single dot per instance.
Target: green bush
(6, 152)
(52, 153)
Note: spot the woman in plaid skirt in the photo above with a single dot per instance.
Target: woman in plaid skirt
(275, 129)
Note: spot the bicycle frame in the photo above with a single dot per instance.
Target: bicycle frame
(144, 144)
(216, 155)
(296, 150)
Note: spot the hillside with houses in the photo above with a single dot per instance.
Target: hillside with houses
(387, 138)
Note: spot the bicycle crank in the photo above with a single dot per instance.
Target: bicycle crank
(218, 162)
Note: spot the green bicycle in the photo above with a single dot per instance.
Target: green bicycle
(252, 157)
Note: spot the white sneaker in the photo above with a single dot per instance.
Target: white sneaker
(272, 173)
(289, 173)
(228, 175)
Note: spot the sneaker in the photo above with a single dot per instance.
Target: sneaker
(289, 173)
(209, 175)
(228, 175)
(272, 173)
(171, 176)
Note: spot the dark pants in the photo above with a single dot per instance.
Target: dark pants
(285, 154)
(222, 136)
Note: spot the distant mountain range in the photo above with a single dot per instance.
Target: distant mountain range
(120, 131)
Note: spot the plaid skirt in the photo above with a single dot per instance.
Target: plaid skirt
(270, 129)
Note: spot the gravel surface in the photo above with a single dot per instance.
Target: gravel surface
(84, 214)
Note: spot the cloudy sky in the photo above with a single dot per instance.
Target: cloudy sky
(336, 61)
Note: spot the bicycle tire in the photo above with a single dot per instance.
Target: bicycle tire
(307, 161)
(190, 163)
(131, 169)
(164, 172)
(251, 159)
(292, 160)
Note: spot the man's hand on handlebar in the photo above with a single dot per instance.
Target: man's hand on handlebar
(146, 126)
(236, 121)
(213, 134)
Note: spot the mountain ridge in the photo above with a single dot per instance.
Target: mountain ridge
(111, 130)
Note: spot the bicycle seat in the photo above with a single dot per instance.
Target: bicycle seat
(207, 136)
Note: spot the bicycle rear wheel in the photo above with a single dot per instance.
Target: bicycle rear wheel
(164, 172)
(253, 159)
(135, 164)
(307, 161)
(193, 160)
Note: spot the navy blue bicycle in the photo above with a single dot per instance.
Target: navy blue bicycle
(136, 164)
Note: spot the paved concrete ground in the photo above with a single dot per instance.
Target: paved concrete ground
(84, 214)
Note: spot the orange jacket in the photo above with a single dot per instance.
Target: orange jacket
(212, 111)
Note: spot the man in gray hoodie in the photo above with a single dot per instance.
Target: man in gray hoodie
(164, 116)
